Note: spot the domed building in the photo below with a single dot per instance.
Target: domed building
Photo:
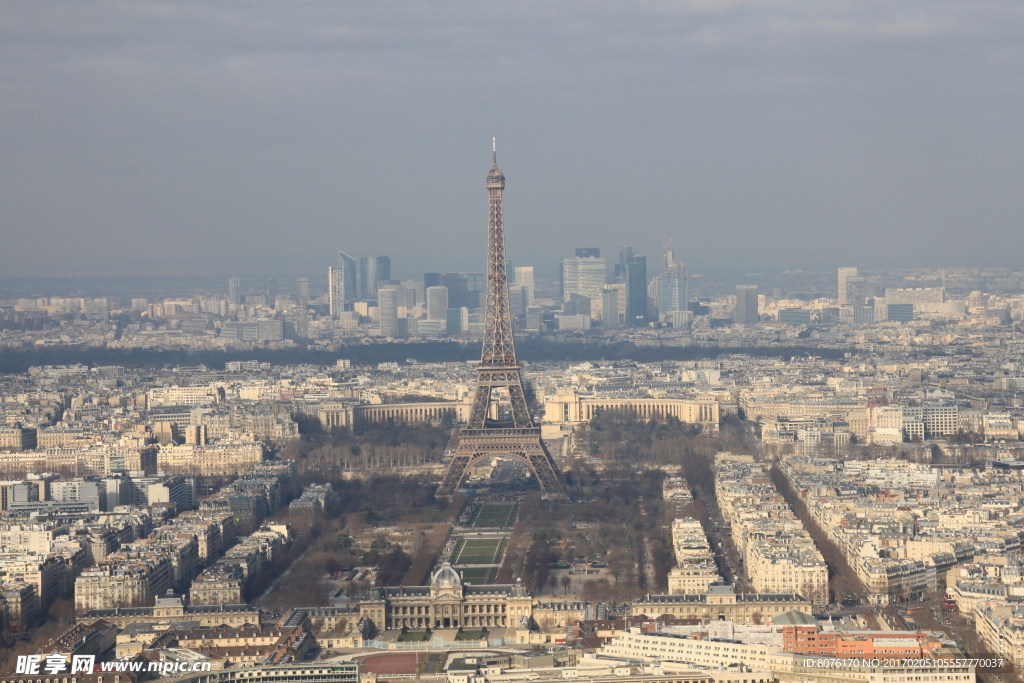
(446, 578)
(448, 603)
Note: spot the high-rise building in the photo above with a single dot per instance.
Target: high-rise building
(373, 269)
(795, 316)
(456, 321)
(901, 313)
(349, 277)
(534, 318)
(923, 295)
(585, 276)
(588, 252)
(401, 296)
(525, 278)
(414, 294)
(271, 291)
(477, 282)
(98, 308)
(335, 290)
(863, 315)
(302, 285)
(844, 274)
(746, 305)
(610, 308)
(235, 290)
(925, 298)
(518, 299)
(856, 290)
(578, 305)
(387, 301)
(672, 290)
(673, 293)
(458, 290)
(431, 280)
(620, 267)
(635, 275)
(437, 303)
(300, 319)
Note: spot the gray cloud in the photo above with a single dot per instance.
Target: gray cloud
(759, 133)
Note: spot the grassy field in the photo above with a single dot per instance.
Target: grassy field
(414, 637)
(479, 551)
(495, 515)
(479, 576)
(471, 635)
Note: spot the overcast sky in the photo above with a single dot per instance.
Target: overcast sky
(148, 135)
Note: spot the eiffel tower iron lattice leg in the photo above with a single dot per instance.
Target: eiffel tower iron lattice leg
(517, 437)
(522, 445)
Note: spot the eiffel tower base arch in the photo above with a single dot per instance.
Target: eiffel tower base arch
(521, 444)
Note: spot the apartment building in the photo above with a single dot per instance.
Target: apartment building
(724, 654)
(229, 457)
(695, 569)
(721, 601)
(778, 553)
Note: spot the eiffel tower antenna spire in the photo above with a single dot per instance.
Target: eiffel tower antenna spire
(497, 430)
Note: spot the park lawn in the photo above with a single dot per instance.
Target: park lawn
(471, 635)
(479, 576)
(414, 637)
(495, 515)
(479, 551)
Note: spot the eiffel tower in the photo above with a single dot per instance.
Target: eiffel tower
(484, 437)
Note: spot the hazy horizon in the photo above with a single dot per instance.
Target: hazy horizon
(185, 137)
(705, 284)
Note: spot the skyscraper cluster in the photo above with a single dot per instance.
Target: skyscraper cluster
(351, 280)
(590, 292)
(623, 296)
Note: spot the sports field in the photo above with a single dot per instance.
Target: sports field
(479, 576)
(399, 663)
(479, 551)
(495, 514)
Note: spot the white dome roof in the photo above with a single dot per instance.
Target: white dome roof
(445, 577)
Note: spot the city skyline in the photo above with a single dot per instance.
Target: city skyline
(726, 386)
(845, 455)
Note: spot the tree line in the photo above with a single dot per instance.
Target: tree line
(320, 455)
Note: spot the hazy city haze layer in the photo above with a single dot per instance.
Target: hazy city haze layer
(158, 136)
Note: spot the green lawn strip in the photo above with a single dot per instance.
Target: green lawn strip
(478, 576)
(413, 637)
(495, 515)
(479, 551)
(499, 552)
(471, 635)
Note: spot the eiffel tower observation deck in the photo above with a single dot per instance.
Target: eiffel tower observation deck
(515, 436)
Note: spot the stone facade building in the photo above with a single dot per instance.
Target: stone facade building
(448, 603)
(721, 602)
